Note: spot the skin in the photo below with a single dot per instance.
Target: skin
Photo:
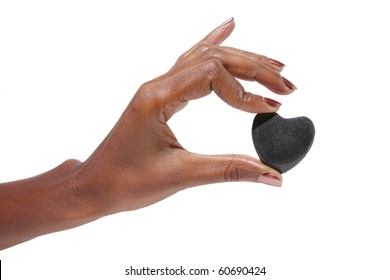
(141, 162)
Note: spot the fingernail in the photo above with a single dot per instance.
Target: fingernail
(276, 63)
(229, 20)
(289, 84)
(270, 179)
(272, 102)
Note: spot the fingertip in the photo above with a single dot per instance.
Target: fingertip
(289, 84)
(270, 176)
(282, 86)
(266, 105)
(229, 21)
(273, 103)
(219, 34)
(276, 63)
(270, 179)
(226, 29)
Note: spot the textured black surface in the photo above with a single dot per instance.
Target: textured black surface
(282, 143)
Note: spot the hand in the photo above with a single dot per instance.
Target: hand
(141, 162)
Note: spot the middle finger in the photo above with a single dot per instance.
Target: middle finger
(248, 67)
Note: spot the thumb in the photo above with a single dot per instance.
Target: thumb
(230, 168)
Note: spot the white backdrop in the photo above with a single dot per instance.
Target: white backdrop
(69, 68)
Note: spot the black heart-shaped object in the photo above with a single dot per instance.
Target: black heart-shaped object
(282, 143)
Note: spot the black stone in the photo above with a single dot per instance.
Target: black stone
(282, 143)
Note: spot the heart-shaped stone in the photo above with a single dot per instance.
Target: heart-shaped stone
(282, 143)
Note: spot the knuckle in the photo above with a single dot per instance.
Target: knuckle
(213, 65)
(257, 73)
(212, 68)
(243, 98)
(239, 100)
(203, 47)
(146, 87)
(154, 90)
(212, 52)
(147, 91)
(232, 171)
(246, 97)
(208, 50)
(147, 98)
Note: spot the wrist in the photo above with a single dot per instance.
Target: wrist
(83, 195)
(94, 191)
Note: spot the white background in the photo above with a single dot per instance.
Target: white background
(69, 68)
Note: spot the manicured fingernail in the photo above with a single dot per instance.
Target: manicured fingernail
(229, 20)
(272, 102)
(289, 84)
(276, 63)
(270, 179)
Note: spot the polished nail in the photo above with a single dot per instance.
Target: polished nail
(272, 102)
(289, 84)
(229, 20)
(270, 179)
(276, 63)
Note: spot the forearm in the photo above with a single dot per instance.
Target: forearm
(59, 199)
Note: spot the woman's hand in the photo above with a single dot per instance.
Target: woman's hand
(141, 161)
